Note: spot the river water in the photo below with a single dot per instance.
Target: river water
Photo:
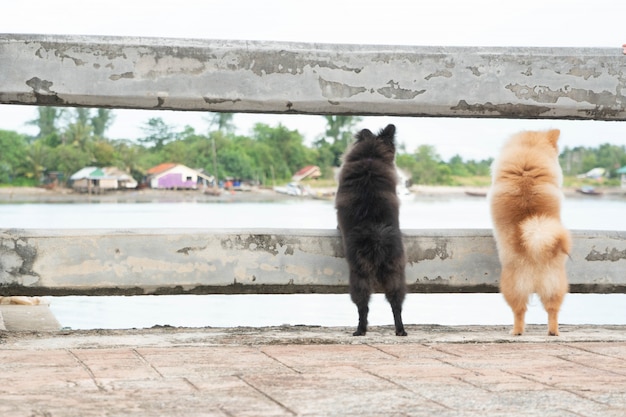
(438, 212)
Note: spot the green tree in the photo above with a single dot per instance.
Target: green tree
(340, 129)
(78, 134)
(101, 121)
(82, 115)
(68, 159)
(326, 157)
(198, 149)
(589, 161)
(235, 162)
(127, 157)
(37, 159)
(103, 153)
(580, 160)
(481, 168)
(611, 157)
(288, 147)
(157, 133)
(426, 167)
(13, 155)
(264, 163)
(223, 122)
(571, 160)
(407, 162)
(177, 151)
(218, 141)
(47, 120)
(458, 167)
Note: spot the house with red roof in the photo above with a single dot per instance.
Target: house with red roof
(309, 171)
(176, 176)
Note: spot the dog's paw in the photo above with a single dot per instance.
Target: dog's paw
(401, 333)
(359, 333)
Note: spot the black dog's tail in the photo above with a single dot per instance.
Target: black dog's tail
(371, 246)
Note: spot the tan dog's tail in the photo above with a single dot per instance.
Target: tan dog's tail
(545, 237)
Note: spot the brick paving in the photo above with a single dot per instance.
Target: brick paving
(305, 371)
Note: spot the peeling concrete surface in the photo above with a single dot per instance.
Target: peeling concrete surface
(164, 261)
(612, 254)
(279, 77)
(17, 258)
(284, 77)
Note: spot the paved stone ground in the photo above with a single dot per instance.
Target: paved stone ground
(312, 371)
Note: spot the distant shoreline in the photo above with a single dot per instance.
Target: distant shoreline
(148, 195)
(66, 195)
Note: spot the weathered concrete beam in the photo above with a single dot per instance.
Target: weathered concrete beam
(162, 261)
(280, 77)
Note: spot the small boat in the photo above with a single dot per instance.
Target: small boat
(588, 190)
(295, 189)
(476, 193)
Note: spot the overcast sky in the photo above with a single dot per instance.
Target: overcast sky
(540, 23)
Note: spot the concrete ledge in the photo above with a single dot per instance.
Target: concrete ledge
(283, 77)
(28, 318)
(168, 261)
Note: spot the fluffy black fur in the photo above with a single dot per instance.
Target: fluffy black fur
(367, 213)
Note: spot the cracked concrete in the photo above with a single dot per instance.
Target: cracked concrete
(312, 371)
(300, 78)
(45, 262)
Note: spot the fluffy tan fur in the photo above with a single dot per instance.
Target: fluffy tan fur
(533, 245)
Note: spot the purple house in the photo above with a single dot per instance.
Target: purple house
(176, 176)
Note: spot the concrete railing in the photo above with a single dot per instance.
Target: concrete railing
(277, 77)
(163, 261)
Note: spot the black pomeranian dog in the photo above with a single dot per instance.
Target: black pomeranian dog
(367, 213)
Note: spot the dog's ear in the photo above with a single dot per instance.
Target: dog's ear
(364, 134)
(553, 137)
(388, 134)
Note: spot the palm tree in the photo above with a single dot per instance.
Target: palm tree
(79, 134)
(102, 121)
(47, 120)
(223, 121)
(157, 133)
(340, 129)
(36, 160)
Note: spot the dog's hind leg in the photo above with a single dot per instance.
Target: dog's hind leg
(396, 299)
(360, 292)
(516, 299)
(395, 291)
(552, 304)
